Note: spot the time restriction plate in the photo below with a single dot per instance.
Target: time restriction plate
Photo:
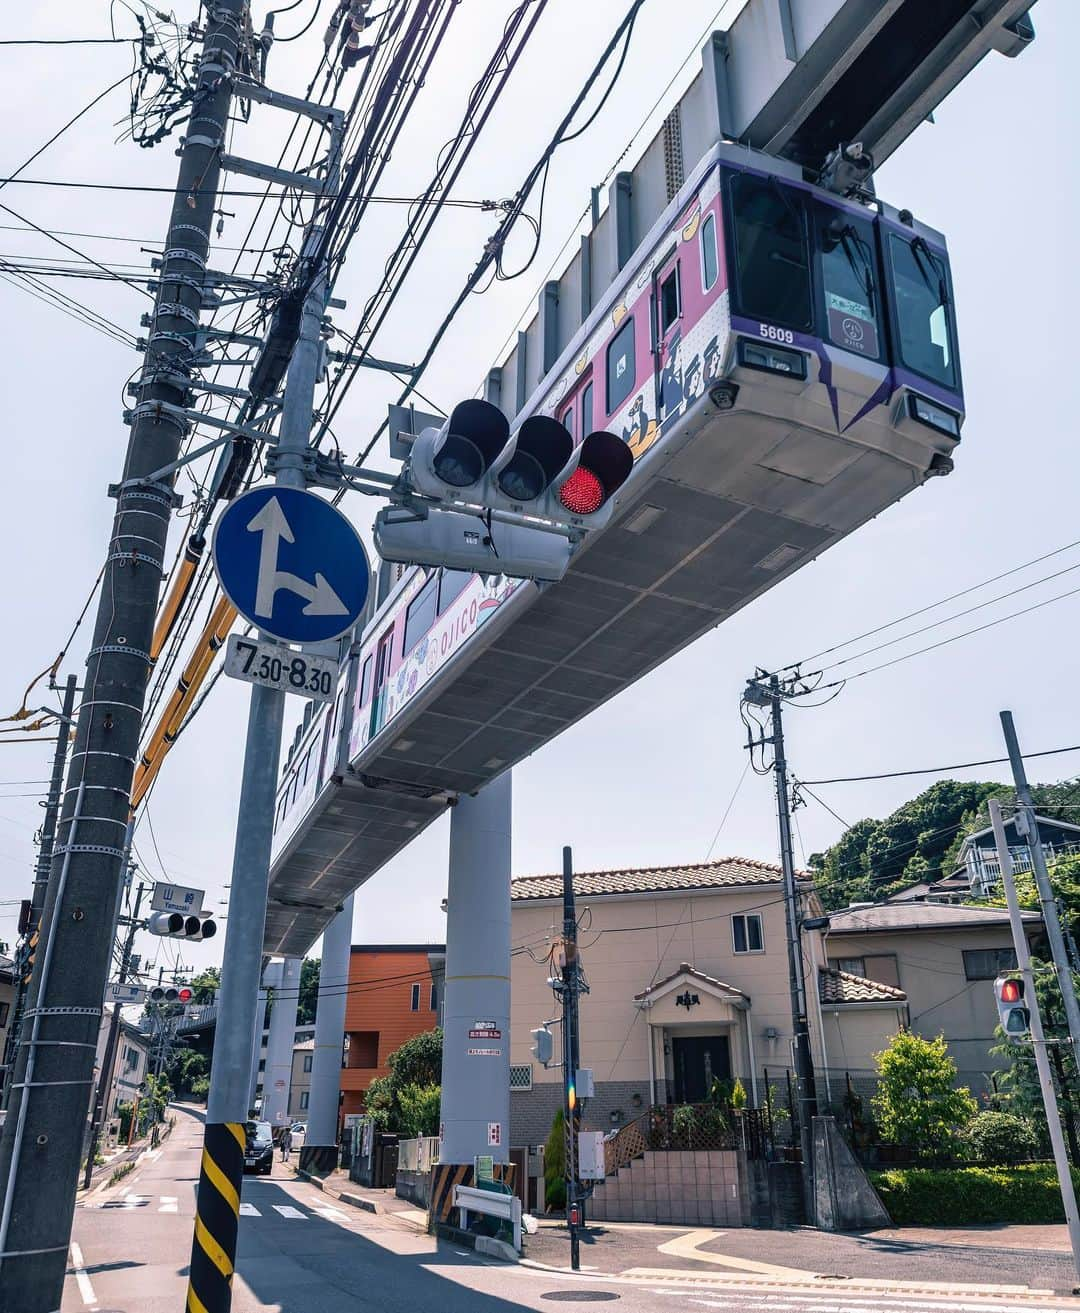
(279, 667)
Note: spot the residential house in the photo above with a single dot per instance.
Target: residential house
(7, 1003)
(301, 1035)
(687, 969)
(131, 1062)
(395, 992)
(944, 958)
(978, 859)
(300, 1080)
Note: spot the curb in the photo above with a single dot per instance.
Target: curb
(344, 1196)
(482, 1244)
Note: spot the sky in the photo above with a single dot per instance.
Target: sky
(647, 779)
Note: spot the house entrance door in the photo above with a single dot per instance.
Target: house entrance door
(698, 1061)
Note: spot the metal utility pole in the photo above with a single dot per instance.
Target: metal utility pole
(1028, 827)
(771, 695)
(213, 1248)
(42, 1135)
(109, 1057)
(1038, 1039)
(42, 867)
(571, 981)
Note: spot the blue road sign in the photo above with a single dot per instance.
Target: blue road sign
(291, 564)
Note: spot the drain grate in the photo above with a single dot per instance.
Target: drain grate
(581, 1296)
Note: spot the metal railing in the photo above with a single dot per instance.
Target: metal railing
(418, 1155)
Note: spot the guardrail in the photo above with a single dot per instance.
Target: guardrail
(418, 1155)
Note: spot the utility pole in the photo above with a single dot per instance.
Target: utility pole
(1038, 1038)
(571, 981)
(771, 695)
(109, 1057)
(42, 867)
(43, 1132)
(213, 1248)
(1027, 827)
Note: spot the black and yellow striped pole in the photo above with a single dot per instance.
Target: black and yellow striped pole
(217, 1213)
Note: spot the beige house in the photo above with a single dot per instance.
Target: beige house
(300, 1082)
(944, 958)
(688, 980)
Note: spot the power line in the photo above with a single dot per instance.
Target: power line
(195, 192)
(74, 41)
(935, 770)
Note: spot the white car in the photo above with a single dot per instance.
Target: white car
(299, 1135)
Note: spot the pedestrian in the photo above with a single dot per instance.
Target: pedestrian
(286, 1143)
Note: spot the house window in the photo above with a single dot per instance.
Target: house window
(433, 1004)
(987, 963)
(746, 933)
(415, 998)
(307, 1061)
(4, 1010)
(854, 966)
(305, 1096)
(521, 1076)
(709, 263)
(620, 366)
(131, 1059)
(262, 1064)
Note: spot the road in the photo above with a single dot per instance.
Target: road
(302, 1252)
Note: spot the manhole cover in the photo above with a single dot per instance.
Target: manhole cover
(581, 1296)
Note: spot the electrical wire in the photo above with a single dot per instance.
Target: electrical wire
(939, 770)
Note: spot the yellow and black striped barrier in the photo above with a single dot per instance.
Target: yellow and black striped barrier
(445, 1176)
(217, 1212)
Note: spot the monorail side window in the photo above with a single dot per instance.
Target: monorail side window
(850, 284)
(421, 613)
(586, 411)
(566, 419)
(620, 365)
(451, 585)
(921, 293)
(772, 262)
(670, 306)
(710, 263)
(365, 681)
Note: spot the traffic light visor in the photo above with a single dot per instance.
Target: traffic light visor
(473, 436)
(542, 447)
(604, 466)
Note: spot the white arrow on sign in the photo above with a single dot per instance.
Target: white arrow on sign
(270, 521)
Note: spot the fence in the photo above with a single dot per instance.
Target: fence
(418, 1155)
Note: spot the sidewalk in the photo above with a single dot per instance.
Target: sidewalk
(984, 1260)
(339, 1187)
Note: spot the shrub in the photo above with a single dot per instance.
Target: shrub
(738, 1095)
(917, 1102)
(1001, 1137)
(967, 1196)
(419, 1106)
(200, 1087)
(684, 1125)
(555, 1164)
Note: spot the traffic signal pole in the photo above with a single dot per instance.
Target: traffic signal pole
(42, 1137)
(213, 1250)
(1027, 826)
(1038, 1038)
(109, 1057)
(571, 981)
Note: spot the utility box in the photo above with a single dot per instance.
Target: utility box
(591, 1155)
(586, 1085)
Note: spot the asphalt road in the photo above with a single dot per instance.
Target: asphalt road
(301, 1252)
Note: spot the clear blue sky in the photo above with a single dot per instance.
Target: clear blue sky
(646, 779)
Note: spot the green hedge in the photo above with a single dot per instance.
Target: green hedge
(964, 1196)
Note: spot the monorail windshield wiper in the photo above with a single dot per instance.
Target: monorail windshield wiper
(920, 249)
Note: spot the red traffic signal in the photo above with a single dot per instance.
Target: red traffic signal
(185, 995)
(1012, 991)
(603, 466)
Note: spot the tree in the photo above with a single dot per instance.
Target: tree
(418, 1061)
(206, 984)
(186, 1067)
(419, 1110)
(917, 1103)
(1001, 1137)
(555, 1163)
(309, 991)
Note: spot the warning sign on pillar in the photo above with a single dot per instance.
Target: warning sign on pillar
(495, 1134)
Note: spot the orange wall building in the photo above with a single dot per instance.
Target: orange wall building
(395, 992)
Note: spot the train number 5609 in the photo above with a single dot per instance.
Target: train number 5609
(776, 334)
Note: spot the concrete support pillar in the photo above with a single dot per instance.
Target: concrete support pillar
(475, 1112)
(322, 1126)
(279, 1050)
(260, 1021)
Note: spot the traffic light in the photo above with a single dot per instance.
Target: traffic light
(175, 925)
(1015, 1017)
(543, 1045)
(184, 994)
(452, 461)
(164, 994)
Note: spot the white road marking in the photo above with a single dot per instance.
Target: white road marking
(86, 1290)
(332, 1214)
(856, 1302)
(249, 1210)
(286, 1211)
(167, 1203)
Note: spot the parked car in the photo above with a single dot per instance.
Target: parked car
(299, 1135)
(258, 1148)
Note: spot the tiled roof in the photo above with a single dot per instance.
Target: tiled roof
(726, 872)
(917, 916)
(685, 969)
(842, 987)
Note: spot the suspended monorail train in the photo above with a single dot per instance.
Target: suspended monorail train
(781, 362)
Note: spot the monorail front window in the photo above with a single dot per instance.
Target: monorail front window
(923, 312)
(772, 258)
(849, 282)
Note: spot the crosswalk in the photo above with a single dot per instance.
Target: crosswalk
(170, 1203)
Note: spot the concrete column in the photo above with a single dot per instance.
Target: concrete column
(322, 1126)
(260, 1021)
(279, 1050)
(475, 1084)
